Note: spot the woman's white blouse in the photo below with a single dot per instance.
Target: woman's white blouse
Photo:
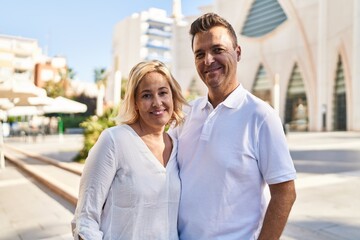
(125, 192)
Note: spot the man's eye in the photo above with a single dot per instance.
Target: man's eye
(218, 50)
(199, 55)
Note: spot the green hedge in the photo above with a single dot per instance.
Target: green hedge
(72, 121)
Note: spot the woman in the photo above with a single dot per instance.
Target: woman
(130, 186)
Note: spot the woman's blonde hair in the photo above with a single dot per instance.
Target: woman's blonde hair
(128, 113)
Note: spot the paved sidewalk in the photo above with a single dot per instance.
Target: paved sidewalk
(328, 186)
(28, 211)
(61, 147)
(327, 206)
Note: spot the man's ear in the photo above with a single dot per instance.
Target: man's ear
(238, 53)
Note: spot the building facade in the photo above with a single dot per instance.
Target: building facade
(142, 36)
(51, 70)
(303, 57)
(18, 57)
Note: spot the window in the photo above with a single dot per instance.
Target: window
(262, 86)
(296, 114)
(263, 17)
(339, 106)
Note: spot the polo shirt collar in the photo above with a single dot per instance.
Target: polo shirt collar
(232, 101)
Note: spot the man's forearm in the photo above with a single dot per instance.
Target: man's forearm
(283, 196)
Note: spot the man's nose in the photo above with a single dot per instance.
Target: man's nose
(209, 58)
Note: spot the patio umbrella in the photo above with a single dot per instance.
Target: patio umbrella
(23, 111)
(64, 105)
(6, 104)
(33, 101)
(21, 91)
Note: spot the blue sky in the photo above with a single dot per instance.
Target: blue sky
(80, 30)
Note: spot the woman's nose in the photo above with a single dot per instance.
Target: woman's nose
(157, 102)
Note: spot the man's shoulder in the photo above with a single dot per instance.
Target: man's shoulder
(198, 102)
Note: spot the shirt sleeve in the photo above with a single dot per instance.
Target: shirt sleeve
(275, 162)
(96, 180)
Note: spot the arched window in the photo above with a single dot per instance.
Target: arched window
(262, 86)
(296, 114)
(339, 106)
(263, 17)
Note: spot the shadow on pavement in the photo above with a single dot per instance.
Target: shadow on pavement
(322, 230)
(326, 161)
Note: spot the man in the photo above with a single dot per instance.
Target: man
(231, 146)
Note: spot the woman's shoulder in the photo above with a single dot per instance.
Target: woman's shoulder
(116, 131)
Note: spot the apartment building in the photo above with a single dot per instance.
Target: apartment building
(142, 36)
(18, 57)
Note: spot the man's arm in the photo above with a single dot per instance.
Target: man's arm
(283, 196)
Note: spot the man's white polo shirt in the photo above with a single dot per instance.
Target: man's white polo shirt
(226, 156)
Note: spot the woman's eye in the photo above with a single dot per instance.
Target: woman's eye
(163, 93)
(146, 96)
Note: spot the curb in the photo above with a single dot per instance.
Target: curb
(64, 191)
(62, 165)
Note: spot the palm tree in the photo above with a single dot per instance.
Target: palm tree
(100, 76)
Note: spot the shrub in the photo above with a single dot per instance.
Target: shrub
(93, 126)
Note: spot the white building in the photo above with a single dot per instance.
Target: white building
(142, 36)
(18, 57)
(303, 57)
(312, 48)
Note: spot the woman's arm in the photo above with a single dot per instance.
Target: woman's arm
(96, 180)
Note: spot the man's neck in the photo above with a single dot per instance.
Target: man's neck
(217, 96)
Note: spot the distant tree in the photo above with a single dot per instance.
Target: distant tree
(123, 87)
(62, 87)
(54, 89)
(100, 76)
(70, 74)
